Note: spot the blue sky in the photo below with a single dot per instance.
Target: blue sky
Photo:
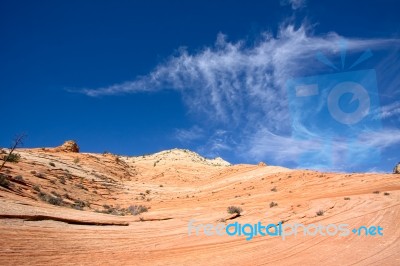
(211, 76)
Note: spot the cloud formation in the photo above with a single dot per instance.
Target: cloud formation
(239, 88)
(189, 135)
(329, 154)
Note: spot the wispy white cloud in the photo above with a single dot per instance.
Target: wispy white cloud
(387, 111)
(240, 88)
(189, 135)
(328, 154)
(220, 140)
(381, 139)
(219, 80)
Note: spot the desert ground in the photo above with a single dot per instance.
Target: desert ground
(59, 207)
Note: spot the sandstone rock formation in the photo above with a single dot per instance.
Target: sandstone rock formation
(56, 211)
(396, 169)
(68, 146)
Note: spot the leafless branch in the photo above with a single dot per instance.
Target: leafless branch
(18, 141)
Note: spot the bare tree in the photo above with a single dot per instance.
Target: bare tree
(18, 141)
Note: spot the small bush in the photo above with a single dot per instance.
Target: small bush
(79, 204)
(148, 191)
(273, 204)
(19, 178)
(62, 180)
(50, 199)
(55, 200)
(386, 193)
(320, 213)
(52, 164)
(43, 196)
(137, 209)
(161, 185)
(76, 160)
(116, 211)
(40, 175)
(13, 158)
(346, 198)
(376, 192)
(36, 188)
(274, 189)
(234, 209)
(4, 181)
